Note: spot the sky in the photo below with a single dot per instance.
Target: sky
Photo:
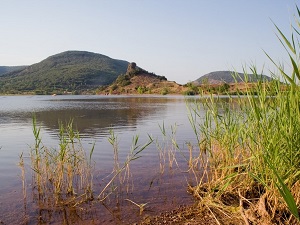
(179, 39)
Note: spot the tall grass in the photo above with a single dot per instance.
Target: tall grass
(249, 147)
(62, 176)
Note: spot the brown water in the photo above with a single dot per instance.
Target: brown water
(94, 117)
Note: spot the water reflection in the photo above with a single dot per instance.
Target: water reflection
(90, 114)
(93, 117)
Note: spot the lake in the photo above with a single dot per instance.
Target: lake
(94, 117)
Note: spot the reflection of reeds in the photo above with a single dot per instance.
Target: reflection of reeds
(62, 175)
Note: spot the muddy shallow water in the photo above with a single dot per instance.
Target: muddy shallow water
(152, 180)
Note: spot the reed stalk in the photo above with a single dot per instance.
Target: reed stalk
(64, 175)
(22, 166)
(118, 171)
(168, 148)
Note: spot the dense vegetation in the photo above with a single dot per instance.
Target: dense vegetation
(71, 71)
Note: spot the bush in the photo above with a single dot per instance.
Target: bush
(141, 89)
(165, 91)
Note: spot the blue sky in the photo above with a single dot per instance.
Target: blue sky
(180, 39)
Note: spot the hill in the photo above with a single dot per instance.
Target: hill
(220, 77)
(64, 72)
(7, 69)
(139, 81)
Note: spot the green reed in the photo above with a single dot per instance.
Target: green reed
(249, 146)
(63, 175)
(122, 170)
(167, 147)
(251, 143)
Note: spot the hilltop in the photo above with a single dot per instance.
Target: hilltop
(223, 82)
(70, 71)
(220, 77)
(139, 81)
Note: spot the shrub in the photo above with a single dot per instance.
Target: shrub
(165, 91)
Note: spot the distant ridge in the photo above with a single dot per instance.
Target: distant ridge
(67, 71)
(7, 69)
(219, 77)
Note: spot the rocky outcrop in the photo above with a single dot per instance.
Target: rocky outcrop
(131, 67)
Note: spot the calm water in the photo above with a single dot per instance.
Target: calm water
(94, 117)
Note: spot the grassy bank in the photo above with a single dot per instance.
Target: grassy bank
(249, 157)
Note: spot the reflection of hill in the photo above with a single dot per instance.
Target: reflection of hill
(93, 115)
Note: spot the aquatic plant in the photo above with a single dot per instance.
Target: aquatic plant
(122, 171)
(167, 147)
(62, 176)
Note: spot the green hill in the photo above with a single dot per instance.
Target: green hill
(64, 72)
(220, 77)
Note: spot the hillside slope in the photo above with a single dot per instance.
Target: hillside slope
(219, 77)
(68, 71)
(7, 69)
